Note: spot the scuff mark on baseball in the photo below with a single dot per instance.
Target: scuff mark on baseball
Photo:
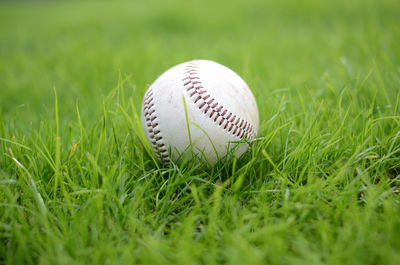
(218, 101)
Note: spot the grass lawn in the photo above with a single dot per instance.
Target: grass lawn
(321, 185)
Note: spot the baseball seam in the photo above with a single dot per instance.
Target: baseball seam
(229, 121)
(154, 132)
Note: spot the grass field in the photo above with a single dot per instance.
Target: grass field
(320, 186)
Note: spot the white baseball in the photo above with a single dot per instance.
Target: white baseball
(220, 109)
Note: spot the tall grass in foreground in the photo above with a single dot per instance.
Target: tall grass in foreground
(305, 191)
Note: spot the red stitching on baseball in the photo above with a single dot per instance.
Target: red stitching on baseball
(234, 131)
(240, 127)
(156, 142)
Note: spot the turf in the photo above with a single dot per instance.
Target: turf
(319, 186)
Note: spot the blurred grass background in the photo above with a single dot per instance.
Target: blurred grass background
(321, 186)
(80, 47)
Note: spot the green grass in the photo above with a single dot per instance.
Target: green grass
(320, 186)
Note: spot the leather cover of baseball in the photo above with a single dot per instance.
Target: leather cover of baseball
(220, 111)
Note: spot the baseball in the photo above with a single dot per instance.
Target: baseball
(199, 108)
